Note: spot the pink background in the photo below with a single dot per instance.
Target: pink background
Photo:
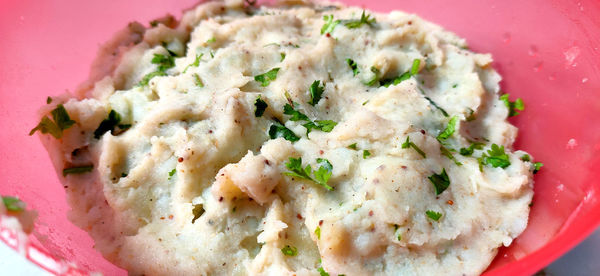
(546, 50)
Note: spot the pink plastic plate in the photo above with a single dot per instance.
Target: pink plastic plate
(546, 50)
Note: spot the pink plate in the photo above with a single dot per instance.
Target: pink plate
(546, 50)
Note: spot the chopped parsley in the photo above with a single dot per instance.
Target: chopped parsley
(197, 212)
(440, 182)
(329, 24)
(172, 173)
(321, 175)
(469, 151)
(404, 76)
(352, 64)
(446, 152)
(282, 56)
(77, 170)
(48, 100)
(146, 79)
(471, 116)
(61, 122)
(353, 146)
(322, 271)
(512, 106)
(449, 130)
(260, 107)
(410, 144)
(399, 237)
(198, 80)
(211, 40)
(164, 63)
(526, 158)
(316, 92)
(433, 215)
(322, 125)
(356, 23)
(13, 204)
(318, 232)
(266, 78)
(496, 157)
(109, 124)
(296, 115)
(537, 166)
(289, 250)
(278, 130)
(433, 103)
(196, 62)
(366, 154)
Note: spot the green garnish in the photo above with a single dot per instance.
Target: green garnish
(495, 157)
(278, 130)
(469, 151)
(196, 62)
(318, 232)
(446, 152)
(296, 115)
(260, 107)
(433, 215)
(399, 237)
(329, 24)
(164, 63)
(512, 106)
(172, 173)
(77, 170)
(408, 144)
(109, 124)
(471, 116)
(375, 77)
(537, 166)
(526, 158)
(404, 76)
(322, 272)
(289, 250)
(322, 125)
(316, 92)
(454, 85)
(449, 130)
(282, 56)
(353, 146)
(48, 100)
(61, 122)
(211, 40)
(266, 78)
(440, 182)
(13, 204)
(352, 64)
(198, 80)
(321, 176)
(356, 23)
(146, 79)
(433, 103)
(366, 154)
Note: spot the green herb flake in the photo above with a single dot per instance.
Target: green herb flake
(55, 127)
(197, 80)
(322, 272)
(415, 67)
(321, 175)
(469, 151)
(324, 172)
(278, 130)
(316, 91)
(196, 62)
(446, 152)
(288, 109)
(440, 182)
(77, 170)
(433, 215)
(364, 19)
(410, 144)
(49, 100)
(404, 76)
(329, 24)
(211, 40)
(172, 173)
(266, 78)
(282, 57)
(164, 62)
(146, 79)
(526, 158)
(496, 157)
(352, 64)
(289, 250)
(454, 85)
(13, 204)
(537, 166)
(353, 146)
(366, 154)
(375, 79)
(512, 106)
(108, 124)
(471, 116)
(399, 237)
(449, 130)
(318, 232)
(260, 107)
(322, 125)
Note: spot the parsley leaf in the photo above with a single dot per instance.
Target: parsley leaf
(321, 175)
(278, 130)
(198, 80)
(512, 106)
(433, 215)
(260, 107)
(469, 151)
(353, 146)
(108, 124)
(318, 232)
(322, 125)
(289, 250)
(316, 92)
(196, 62)
(441, 182)
(77, 170)
(13, 204)
(211, 40)
(449, 154)
(415, 67)
(495, 157)
(449, 130)
(172, 173)
(352, 64)
(164, 62)
(296, 115)
(526, 158)
(366, 154)
(364, 19)
(282, 56)
(146, 79)
(48, 100)
(266, 78)
(537, 166)
(375, 77)
(61, 122)
(433, 103)
(322, 272)
(404, 76)
(408, 144)
(329, 24)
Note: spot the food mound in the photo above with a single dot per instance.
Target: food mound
(292, 139)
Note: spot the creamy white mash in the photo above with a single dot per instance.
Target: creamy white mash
(296, 139)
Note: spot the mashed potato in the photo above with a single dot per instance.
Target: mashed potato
(297, 139)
